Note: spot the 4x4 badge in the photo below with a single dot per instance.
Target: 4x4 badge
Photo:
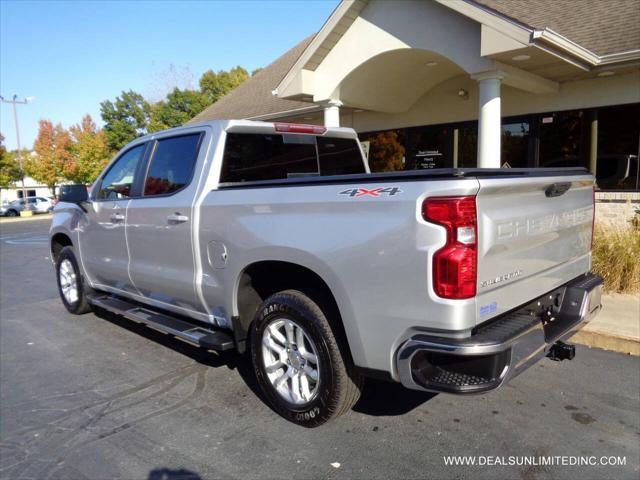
(374, 192)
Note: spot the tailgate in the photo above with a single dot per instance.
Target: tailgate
(534, 235)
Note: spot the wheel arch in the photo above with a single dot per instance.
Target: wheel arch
(260, 279)
(58, 242)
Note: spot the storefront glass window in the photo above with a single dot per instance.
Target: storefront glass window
(468, 147)
(556, 139)
(430, 148)
(618, 145)
(515, 145)
(386, 151)
(564, 140)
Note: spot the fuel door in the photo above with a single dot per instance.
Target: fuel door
(217, 254)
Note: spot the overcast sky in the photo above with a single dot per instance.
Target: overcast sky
(71, 55)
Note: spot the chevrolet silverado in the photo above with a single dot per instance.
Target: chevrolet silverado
(276, 240)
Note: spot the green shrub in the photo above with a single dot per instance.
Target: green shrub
(616, 258)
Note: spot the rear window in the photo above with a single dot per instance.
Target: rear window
(339, 156)
(250, 157)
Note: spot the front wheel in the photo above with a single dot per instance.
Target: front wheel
(71, 285)
(11, 213)
(298, 363)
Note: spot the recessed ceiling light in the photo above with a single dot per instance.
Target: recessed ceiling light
(432, 64)
(358, 111)
(521, 58)
(606, 73)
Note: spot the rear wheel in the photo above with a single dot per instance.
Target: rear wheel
(298, 363)
(71, 286)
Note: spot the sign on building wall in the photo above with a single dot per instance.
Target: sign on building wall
(365, 148)
(427, 159)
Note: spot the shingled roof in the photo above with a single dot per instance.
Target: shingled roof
(253, 98)
(601, 26)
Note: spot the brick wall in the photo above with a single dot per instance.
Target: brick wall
(616, 208)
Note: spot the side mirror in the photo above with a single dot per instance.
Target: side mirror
(73, 194)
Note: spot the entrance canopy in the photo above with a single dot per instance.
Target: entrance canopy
(382, 56)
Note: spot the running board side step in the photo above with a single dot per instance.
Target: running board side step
(196, 335)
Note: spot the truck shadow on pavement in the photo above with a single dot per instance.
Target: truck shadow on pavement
(231, 360)
(384, 399)
(170, 474)
(379, 398)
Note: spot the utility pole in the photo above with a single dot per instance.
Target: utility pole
(14, 101)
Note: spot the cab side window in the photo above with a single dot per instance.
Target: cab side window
(119, 180)
(172, 164)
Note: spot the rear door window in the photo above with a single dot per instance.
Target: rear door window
(172, 164)
(252, 157)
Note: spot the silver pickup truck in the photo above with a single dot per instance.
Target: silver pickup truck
(275, 239)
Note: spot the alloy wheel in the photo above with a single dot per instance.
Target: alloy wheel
(68, 281)
(291, 361)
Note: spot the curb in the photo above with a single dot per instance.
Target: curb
(606, 341)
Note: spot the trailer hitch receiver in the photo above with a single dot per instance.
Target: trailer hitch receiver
(562, 351)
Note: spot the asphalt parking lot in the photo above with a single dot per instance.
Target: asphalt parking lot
(97, 397)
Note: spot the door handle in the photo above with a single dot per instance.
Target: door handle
(116, 217)
(177, 218)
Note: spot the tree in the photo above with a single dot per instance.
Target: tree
(125, 119)
(215, 85)
(385, 152)
(179, 107)
(52, 155)
(9, 168)
(90, 152)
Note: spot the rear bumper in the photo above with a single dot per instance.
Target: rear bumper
(501, 349)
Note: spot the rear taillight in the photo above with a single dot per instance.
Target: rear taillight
(455, 264)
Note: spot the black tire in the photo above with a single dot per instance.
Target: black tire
(81, 305)
(11, 213)
(339, 385)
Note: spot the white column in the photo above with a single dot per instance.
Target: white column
(332, 113)
(489, 128)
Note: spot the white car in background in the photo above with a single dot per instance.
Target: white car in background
(35, 204)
